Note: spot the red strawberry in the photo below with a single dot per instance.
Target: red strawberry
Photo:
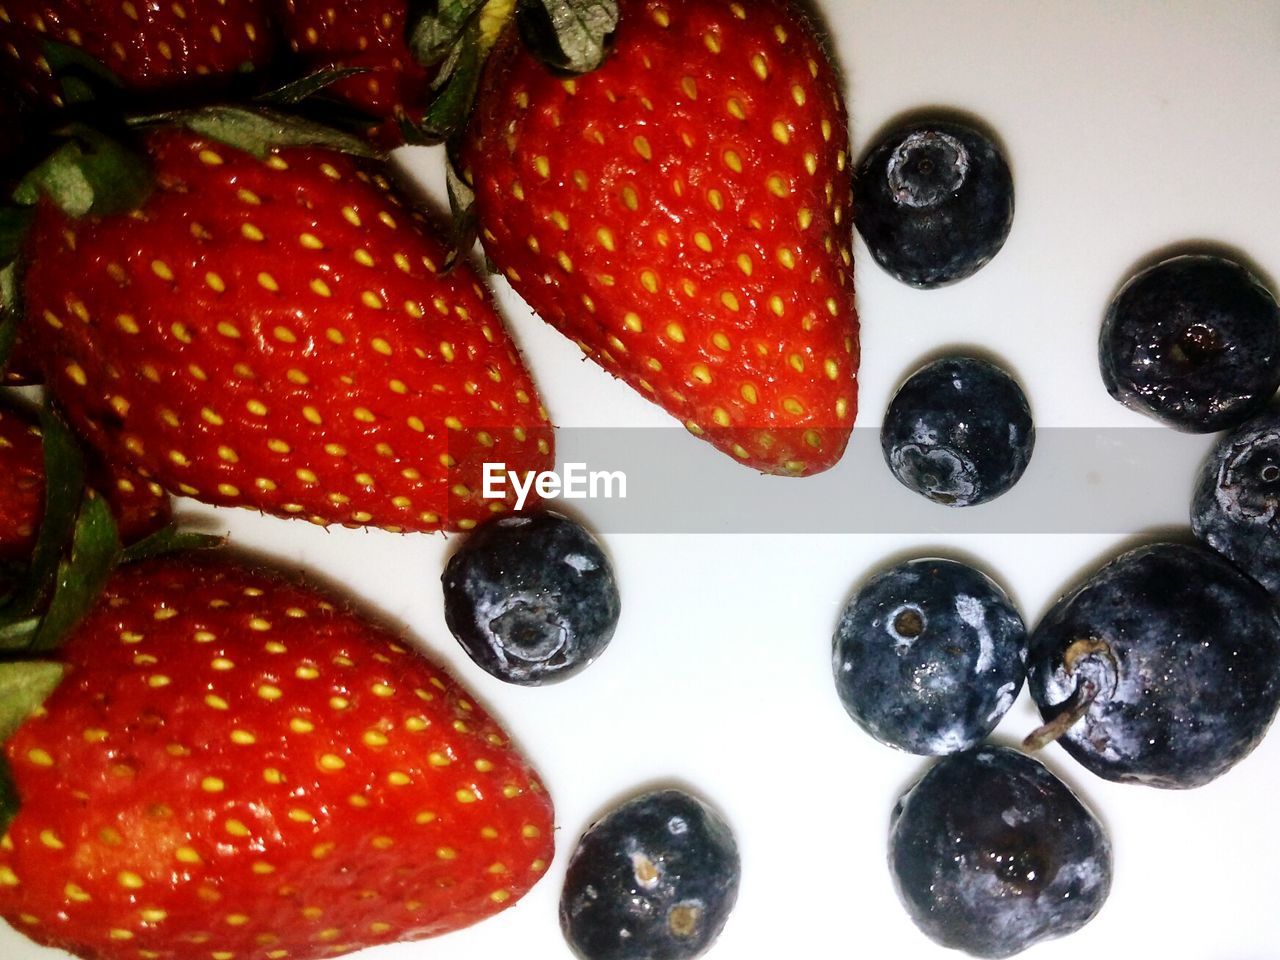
(275, 334)
(140, 505)
(685, 214)
(368, 34)
(234, 766)
(150, 46)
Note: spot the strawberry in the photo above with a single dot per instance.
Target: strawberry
(149, 46)
(370, 35)
(140, 506)
(277, 334)
(237, 766)
(684, 213)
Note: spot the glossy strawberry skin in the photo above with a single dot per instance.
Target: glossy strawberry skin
(368, 34)
(685, 214)
(275, 335)
(140, 505)
(234, 764)
(150, 46)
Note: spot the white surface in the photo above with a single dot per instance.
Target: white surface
(1129, 127)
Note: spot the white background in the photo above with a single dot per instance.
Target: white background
(1130, 127)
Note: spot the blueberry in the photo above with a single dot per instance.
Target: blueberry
(1163, 668)
(531, 598)
(935, 202)
(1194, 342)
(1236, 505)
(655, 879)
(959, 432)
(929, 656)
(992, 853)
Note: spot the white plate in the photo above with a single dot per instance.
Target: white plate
(1129, 127)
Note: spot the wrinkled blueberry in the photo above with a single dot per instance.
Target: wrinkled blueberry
(929, 656)
(1163, 669)
(992, 853)
(1193, 341)
(654, 879)
(531, 598)
(935, 202)
(959, 432)
(1236, 505)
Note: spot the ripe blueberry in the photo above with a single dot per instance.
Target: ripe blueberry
(1193, 341)
(1236, 506)
(935, 202)
(531, 598)
(1163, 669)
(655, 878)
(959, 432)
(929, 656)
(992, 853)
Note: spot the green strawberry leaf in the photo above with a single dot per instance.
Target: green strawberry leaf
(14, 222)
(170, 539)
(10, 311)
(95, 548)
(83, 78)
(89, 173)
(64, 487)
(24, 686)
(457, 81)
(304, 88)
(259, 130)
(568, 35)
(9, 803)
(462, 202)
(17, 635)
(435, 26)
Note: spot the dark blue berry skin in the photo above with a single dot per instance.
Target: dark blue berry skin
(929, 656)
(1236, 505)
(655, 879)
(959, 432)
(992, 853)
(935, 202)
(531, 598)
(1193, 341)
(1181, 654)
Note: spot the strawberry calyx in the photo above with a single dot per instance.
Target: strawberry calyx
(258, 130)
(14, 222)
(88, 173)
(42, 601)
(304, 88)
(456, 36)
